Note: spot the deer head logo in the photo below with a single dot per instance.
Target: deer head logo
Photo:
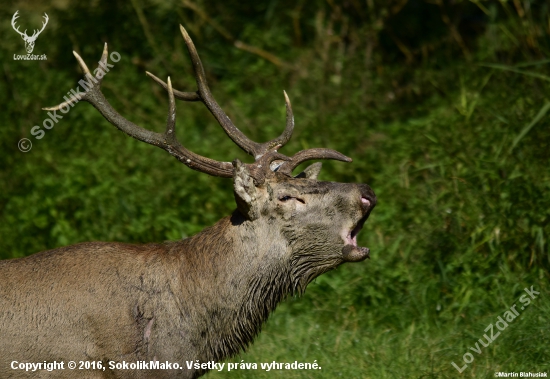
(29, 40)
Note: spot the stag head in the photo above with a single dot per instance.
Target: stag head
(29, 40)
(316, 221)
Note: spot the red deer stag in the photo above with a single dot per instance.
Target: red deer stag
(203, 298)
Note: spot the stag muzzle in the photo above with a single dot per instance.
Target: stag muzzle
(351, 252)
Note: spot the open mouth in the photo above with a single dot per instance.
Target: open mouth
(351, 252)
(352, 236)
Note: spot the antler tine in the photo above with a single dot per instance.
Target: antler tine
(82, 64)
(187, 157)
(310, 154)
(86, 71)
(185, 96)
(230, 129)
(104, 55)
(166, 140)
(46, 19)
(285, 136)
(170, 132)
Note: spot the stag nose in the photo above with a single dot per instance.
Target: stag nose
(368, 198)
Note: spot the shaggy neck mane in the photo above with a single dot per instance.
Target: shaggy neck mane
(235, 281)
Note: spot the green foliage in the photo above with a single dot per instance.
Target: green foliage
(442, 105)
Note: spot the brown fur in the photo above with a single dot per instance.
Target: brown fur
(203, 298)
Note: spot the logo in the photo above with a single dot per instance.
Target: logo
(29, 40)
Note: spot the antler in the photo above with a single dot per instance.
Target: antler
(267, 159)
(15, 17)
(36, 32)
(166, 140)
(203, 94)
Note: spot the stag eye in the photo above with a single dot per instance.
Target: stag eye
(287, 198)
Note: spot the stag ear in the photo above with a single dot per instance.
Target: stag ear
(311, 172)
(245, 191)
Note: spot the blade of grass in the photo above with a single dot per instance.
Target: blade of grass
(529, 126)
(515, 70)
(536, 63)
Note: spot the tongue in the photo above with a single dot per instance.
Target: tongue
(352, 253)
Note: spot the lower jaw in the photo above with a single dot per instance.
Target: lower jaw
(352, 253)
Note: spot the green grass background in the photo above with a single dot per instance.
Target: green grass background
(443, 107)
